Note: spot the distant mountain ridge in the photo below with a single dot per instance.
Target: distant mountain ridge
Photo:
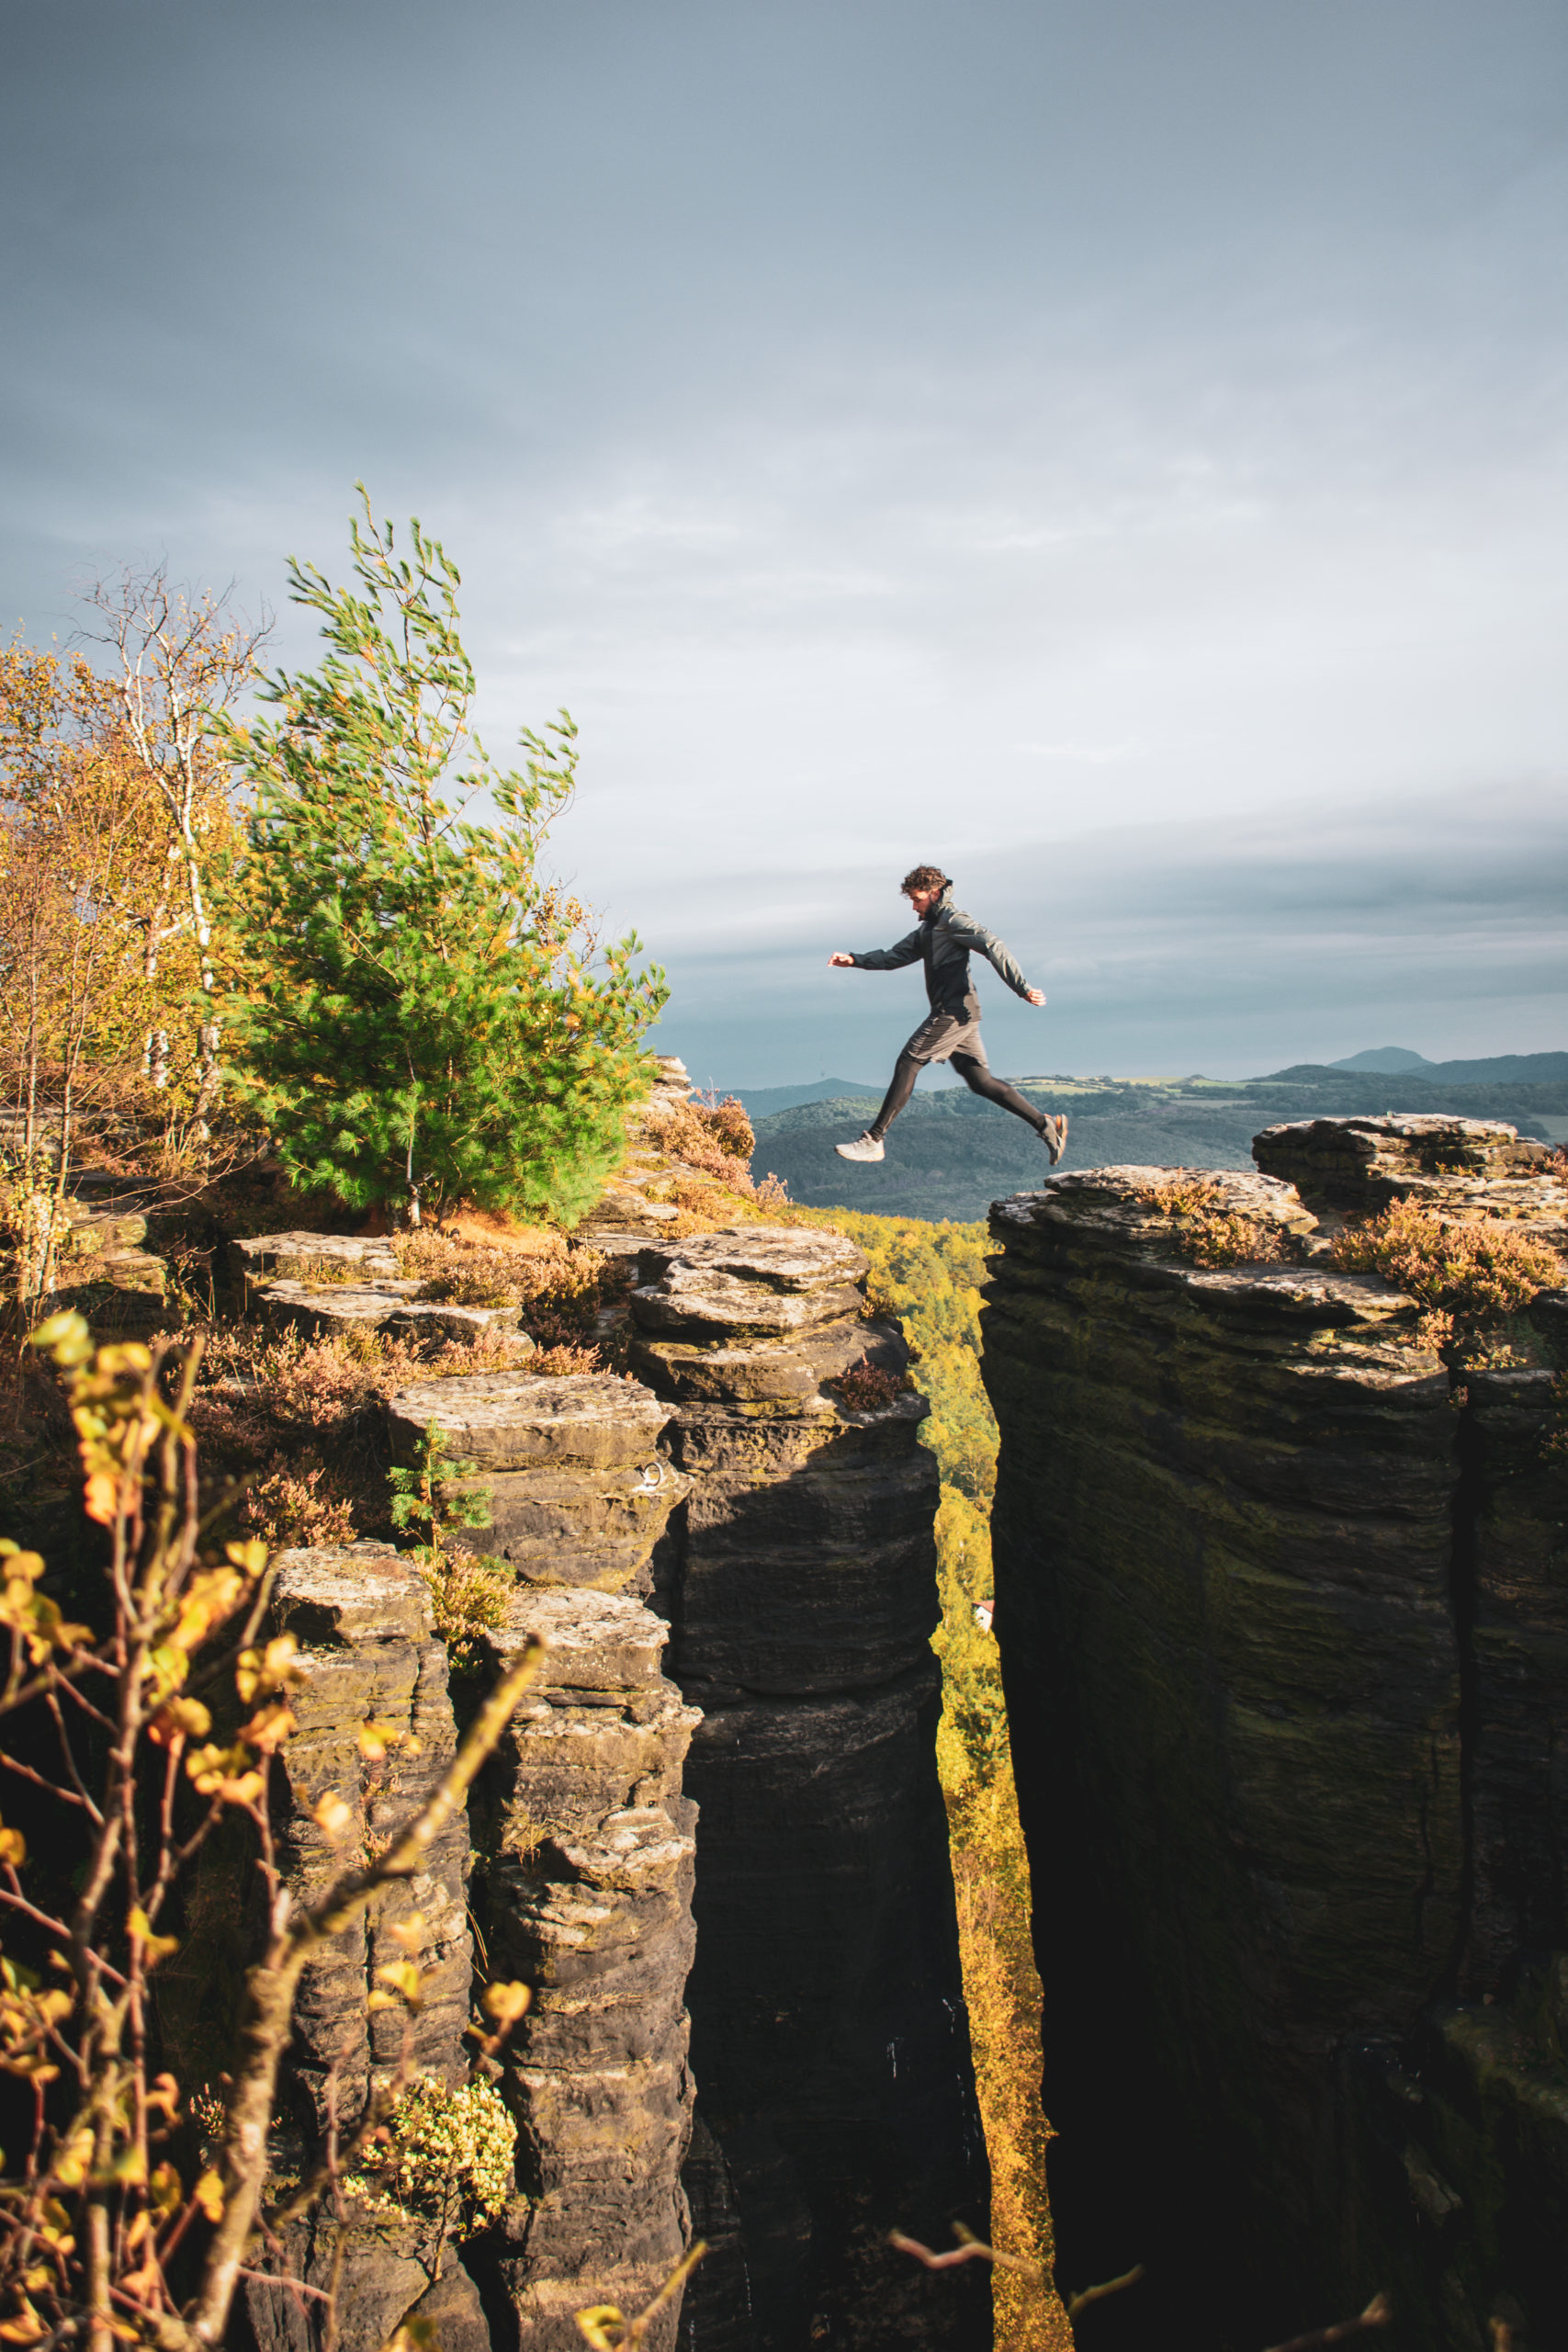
(1495, 1070)
(951, 1153)
(764, 1102)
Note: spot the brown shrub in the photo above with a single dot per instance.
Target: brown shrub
(298, 1502)
(708, 1134)
(1206, 1232)
(1474, 1269)
(866, 1388)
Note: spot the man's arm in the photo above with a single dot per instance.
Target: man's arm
(974, 936)
(888, 959)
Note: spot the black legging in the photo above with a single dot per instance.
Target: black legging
(977, 1076)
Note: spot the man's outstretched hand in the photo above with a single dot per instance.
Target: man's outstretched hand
(848, 961)
(1036, 996)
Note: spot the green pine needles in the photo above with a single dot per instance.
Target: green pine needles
(418, 1017)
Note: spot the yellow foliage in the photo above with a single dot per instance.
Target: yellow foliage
(930, 1277)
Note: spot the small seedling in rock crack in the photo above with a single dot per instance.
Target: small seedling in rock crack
(469, 1592)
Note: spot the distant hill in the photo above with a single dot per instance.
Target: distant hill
(764, 1102)
(1496, 1070)
(1500, 1069)
(1386, 1058)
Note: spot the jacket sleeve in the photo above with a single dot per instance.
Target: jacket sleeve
(981, 942)
(891, 959)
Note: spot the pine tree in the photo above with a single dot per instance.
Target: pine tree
(419, 1018)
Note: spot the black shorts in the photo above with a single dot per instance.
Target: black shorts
(945, 1034)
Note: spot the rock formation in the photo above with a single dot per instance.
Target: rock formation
(626, 1217)
(583, 1848)
(796, 1590)
(1283, 1632)
(829, 2041)
(323, 1284)
(376, 1731)
(586, 1895)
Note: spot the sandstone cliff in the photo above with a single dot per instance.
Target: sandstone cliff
(1280, 1616)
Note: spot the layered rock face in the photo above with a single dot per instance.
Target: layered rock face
(576, 1488)
(1281, 1628)
(582, 1846)
(588, 1850)
(1457, 1167)
(375, 1731)
(585, 1838)
(829, 2039)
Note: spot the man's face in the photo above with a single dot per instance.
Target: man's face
(922, 901)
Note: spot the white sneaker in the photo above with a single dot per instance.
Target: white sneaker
(865, 1147)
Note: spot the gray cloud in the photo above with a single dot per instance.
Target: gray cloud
(1118, 450)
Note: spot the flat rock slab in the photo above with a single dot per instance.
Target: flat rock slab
(593, 1641)
(349, 1593)
(797, 1262)
(299, 1253)
(321, 1309)
(515, 1421)
(748, 1284)
(1344, 1158)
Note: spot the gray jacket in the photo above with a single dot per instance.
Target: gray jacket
(943, 940)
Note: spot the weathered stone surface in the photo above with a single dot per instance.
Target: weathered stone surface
(625, 1218)
(361, 1615)
(829, 2041)
(301, 1255)
(1458, 1167)
(378, 2284)
(1512, 1590)
(576, 1489)
(752, 1282)
(521, 1420)
(376, 1729)
(322, 1310)
(586, 1896)
(1283, 1644)
(761, 1371)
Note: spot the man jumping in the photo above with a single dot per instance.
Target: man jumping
(942, 938)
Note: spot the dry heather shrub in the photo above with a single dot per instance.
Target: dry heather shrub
(713, 1136)
(296, 1502)
(866, 1387)
(561, 1291)
(476, 1270)
(1207, 1232)
(1475, 1269)
(718, 1139)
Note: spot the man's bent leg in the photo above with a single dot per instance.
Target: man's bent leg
(979, 1079)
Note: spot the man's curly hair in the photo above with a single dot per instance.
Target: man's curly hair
(925, 877)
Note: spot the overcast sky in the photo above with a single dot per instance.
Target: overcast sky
(1118, 450)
